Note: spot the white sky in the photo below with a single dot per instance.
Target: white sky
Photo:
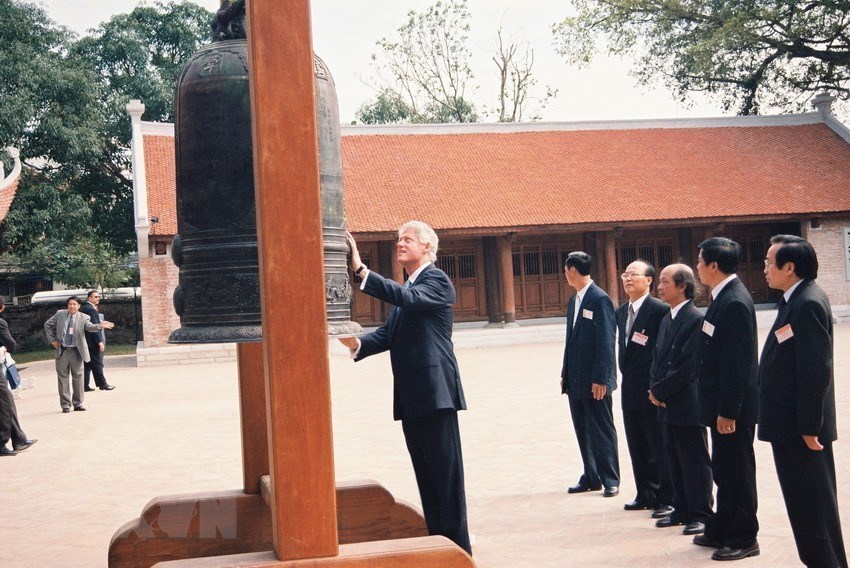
(345, 33)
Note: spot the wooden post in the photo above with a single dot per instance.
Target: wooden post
(289, 230)
(252, 404)
(611, 275)
(506, 272)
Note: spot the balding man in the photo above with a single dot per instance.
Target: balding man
(674, 391)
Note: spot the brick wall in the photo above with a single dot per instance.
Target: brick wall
(828, 241)
(159, 277)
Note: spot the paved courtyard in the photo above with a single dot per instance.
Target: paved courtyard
(175, 429)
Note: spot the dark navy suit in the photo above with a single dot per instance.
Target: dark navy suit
(640, 417)
(427, 392)
(95, 366)
(798, 397)
(10, 428)
(685, 439)
(589, 359)
(727, 371)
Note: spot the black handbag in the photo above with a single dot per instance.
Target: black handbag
(13, 376)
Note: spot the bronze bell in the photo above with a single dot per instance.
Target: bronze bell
(218, 298)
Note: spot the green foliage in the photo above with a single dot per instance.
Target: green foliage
(748, 54)
(428, 63)
(62, 103)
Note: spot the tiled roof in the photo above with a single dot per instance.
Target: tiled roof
(162, 183)
(491, 180)
(9, 183)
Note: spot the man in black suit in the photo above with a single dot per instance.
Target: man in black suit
(588, 377)
(674, 391)
(797, 401)
(727, 371)
(97, 345)
(427, 391)
(637, 331)
(10, 427)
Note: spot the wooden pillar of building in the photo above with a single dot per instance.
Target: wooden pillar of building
(492, 277)
(612, 279)
(252, 404)
(506, 280)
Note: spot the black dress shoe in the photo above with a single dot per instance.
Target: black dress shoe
(669, 521)
(702, 540)
(66, 410)
(583, 488)
(25, 445)
(89, 389)
(662, 511)
(611, 492)
(636, 505)
(694, 527)
(727, 553)
(79, 408)
(4, 451)
(107, 388)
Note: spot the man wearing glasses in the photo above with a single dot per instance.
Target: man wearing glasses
(638, 321)
(97, 345)
(588, 377)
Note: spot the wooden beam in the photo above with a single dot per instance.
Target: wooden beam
(289, 215)
(252, 406)
(506, 271)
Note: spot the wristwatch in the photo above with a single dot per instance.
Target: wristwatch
(359, 270)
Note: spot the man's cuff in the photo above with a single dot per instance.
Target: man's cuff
(355, 352)
(364, 276)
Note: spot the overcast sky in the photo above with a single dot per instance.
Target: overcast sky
(345, 33)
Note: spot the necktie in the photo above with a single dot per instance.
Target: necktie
(407, 283)
(630, 321)
(69, 339)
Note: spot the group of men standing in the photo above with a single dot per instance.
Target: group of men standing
(685, 372)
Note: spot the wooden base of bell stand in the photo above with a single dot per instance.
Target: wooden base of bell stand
(191, 526)
(423, 552)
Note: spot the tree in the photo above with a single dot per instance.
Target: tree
(62, 103)
(516, 80)
(749, 54)
(429, 67)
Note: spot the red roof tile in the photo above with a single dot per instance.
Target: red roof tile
(510, 179)
(7, 195)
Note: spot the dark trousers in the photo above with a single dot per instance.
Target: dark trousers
(593, 421)
(689, 467)
(807, 479)
(94, 367)
(433, 442)
(10, 428)
(733, 464)
(646, 449)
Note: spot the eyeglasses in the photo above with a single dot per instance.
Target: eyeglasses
(768, 263)
(627, 275)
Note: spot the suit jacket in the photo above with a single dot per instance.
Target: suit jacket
(589, 350)
(635, 359)
(673, 381)
(93, 338)
(6, 338)
(55, 327)
(418, 335)
(727, 360)
(796, 376)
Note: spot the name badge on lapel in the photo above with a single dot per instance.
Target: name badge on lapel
(784, 333)
(639, 338)
(708, 328)
(587, 314)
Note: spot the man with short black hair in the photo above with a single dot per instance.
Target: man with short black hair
(588, 377)
(797, 402)
(727, 372)
(96, 344)
(65, 331)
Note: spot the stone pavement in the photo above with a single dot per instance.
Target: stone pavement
(175, 429)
